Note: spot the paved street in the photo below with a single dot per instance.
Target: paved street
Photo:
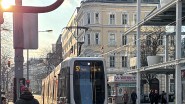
(38, 97)
(159, 103)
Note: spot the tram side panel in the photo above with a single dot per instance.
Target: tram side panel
(64, 86)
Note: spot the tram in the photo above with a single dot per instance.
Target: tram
(78, 80)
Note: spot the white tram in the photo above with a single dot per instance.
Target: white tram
(78, 80)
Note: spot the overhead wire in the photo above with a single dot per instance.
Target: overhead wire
(137, 39)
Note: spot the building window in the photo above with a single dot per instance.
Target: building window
(124, 19)
(172, 85)
(74, 48)
(134, 19)
(112, 39)
(88, 39)
(148, 40)
(124, 61)
(113, 91)
(124, 40)
(172, 40)
(70, 39)
(112, 61)
(112, 19)
(88, 18)
(96, 17)
(160, 40)
(135, 39)
(96, 38)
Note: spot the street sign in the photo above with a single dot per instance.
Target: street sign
(30, 30)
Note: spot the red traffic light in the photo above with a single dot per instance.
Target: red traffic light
(27, 81)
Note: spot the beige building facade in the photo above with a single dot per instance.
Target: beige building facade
(99, 28)
(107, 23)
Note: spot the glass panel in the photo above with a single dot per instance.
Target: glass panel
(89, 82)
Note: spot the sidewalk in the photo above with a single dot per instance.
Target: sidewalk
(160, 103)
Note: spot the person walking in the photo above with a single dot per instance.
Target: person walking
(133, 97)
(156, 97)
(26, 97)
(125, 97)
(163, 98)
(3, 100)
(151, 96)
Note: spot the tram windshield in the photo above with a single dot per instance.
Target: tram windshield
(89, 82)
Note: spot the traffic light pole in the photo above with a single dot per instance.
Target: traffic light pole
(18, 59)
(18, 11)
(27, 68)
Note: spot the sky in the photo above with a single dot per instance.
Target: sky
(54, 20)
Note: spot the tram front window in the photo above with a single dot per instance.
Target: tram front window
(89, 82)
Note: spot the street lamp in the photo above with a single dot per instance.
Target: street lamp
(79, 44)
(28, 59)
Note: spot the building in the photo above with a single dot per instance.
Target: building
(97, 29)
(105, 21)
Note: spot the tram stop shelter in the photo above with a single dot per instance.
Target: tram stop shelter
(171, 14)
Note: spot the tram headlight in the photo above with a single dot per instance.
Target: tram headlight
(88, 63)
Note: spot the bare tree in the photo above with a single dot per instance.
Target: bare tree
(6, 50)
(151, 45)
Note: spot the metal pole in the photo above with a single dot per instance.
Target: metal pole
(138, 47)
(77, 40)
(27, 67)
(178, 83)
(0, 66)
(19, 43)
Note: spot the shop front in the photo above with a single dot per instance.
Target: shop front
(118, 84)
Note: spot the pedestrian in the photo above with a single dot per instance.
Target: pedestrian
(156, 97)
(163, 98)
(151, 96)
(26, 97)
(125, 97)
(3, 100)
(133, 96)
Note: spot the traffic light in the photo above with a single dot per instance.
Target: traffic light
(1, 13)
(8, 63)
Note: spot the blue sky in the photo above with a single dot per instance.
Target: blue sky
(54, 20)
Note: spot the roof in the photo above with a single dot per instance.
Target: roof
(166, 15)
